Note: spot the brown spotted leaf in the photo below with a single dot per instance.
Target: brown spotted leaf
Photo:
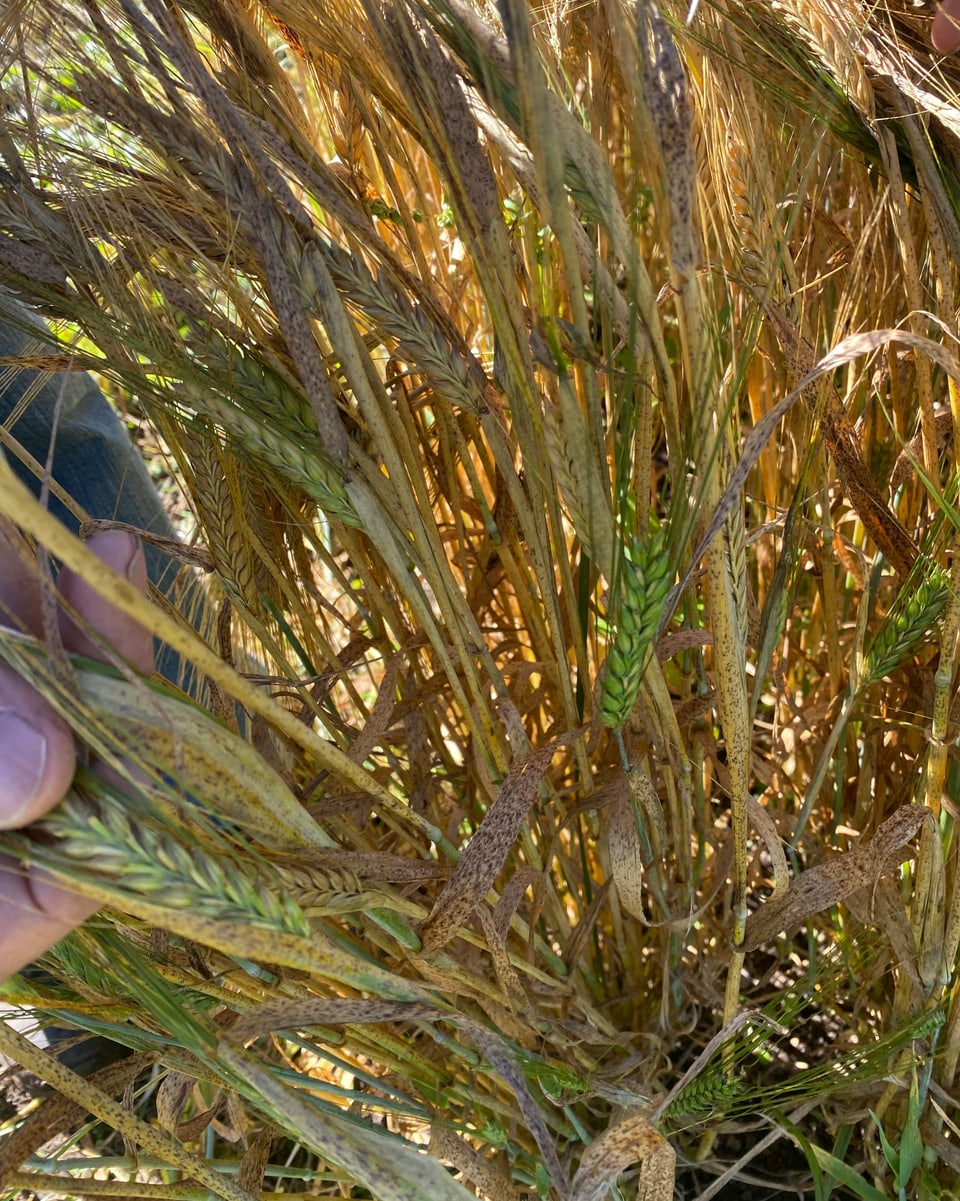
(820, 887)
(633, 1141)
(505, 972)
(626, 860)
(321, 1011)
(668, 106)
(172, 1097)
(488, 849)
(253, 1165)
(381, 715)
(388, 1168)
(498, 1053)
(480, 1172)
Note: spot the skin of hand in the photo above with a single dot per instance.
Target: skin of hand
(37, 753)
(945, 34)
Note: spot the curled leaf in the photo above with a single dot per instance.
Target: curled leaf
(820, 887)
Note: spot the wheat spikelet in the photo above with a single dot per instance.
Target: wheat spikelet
(750, 220)
(832, 29)
(215, 503)
(456, 375)
(644, 583)
(902, 630)
(711, 1092)
(264, 387)
(142, 859)
(579, 480)
(321, 893)
(312, 472)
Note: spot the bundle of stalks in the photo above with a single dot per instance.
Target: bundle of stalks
(564, 398)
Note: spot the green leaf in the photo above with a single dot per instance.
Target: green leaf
(891, 1154)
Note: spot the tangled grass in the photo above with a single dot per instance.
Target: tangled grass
(565, 398)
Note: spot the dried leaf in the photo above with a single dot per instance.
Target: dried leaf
(481, 1173)
(507, 977)
(626, 860)
(254, 1162)
(499, 1054)
(847, 350)
(381, 715)
(774, 844)
(319, 1011)
(820, 887)
(149, 1138)
(630, 1142)
(665, 96)
(512, 895)
(172, 1096)
(488, 849)
(388, 1168)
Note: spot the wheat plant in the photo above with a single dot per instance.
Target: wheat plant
(564, 400)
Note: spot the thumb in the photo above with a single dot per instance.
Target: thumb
(945, 34)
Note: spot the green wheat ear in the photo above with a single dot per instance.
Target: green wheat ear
(905, 626)
(645, 579)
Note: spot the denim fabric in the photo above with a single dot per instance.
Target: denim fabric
(93, 458)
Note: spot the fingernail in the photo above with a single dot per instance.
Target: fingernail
(136, 555)
(23, 761)
(120, 550)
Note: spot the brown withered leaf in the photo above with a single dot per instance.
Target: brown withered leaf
(512, 895)
(322, 1011)
(480, 1172)
(633, 1141)
(626, 861)
(820, 887)
(381, 715)
(912, 454)
(500, 1056)
(488, 849)
(506, 975)
(172, 1096)
(764, 823)
(253, 1165)
(844, 445)
(582, 931)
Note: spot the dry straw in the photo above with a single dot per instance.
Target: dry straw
(469, 333)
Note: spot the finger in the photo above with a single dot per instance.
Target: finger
(34, 914)
(37, 758)
(124, 553)
(945, 34)
(19, 590)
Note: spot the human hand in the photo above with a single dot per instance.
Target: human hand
(37, 751)
(945, 33)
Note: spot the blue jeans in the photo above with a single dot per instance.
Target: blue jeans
(94, 460)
